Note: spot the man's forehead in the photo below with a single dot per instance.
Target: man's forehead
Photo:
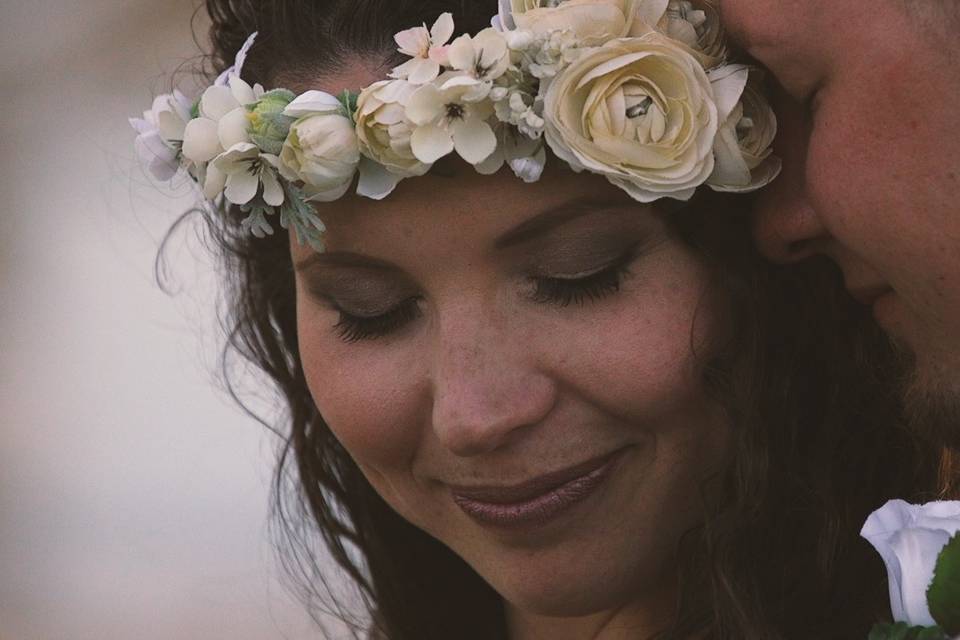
(754, 24)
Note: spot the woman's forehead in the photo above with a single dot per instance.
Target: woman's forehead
(460, 208)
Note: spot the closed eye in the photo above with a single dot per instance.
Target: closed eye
(561, 292)
(584, 289)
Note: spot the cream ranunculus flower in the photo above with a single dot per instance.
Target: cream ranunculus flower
(322, 151)
(639, 111)
(384, 134)
(697, 24)
(593, 21)
(909, 538)
(744, 146)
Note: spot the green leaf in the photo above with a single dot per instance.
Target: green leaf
(267, 145)
(943, 595)
(903, 631)
(282, 95)
(349, 101)
(256, 222)
(301, 216)
(195, 110)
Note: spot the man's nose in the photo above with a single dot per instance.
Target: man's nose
(487, 389)
(787, 227)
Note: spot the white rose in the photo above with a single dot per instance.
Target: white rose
(593, 21)
(322, 151)
(639, 111)
(909, 538)
(744, 146)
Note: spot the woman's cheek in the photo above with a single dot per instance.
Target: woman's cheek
(367, 393)
(638, 356)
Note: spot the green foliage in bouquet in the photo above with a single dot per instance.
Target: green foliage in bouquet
(943, 595)
(903, 631)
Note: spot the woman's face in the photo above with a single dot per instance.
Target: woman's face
(474, 342)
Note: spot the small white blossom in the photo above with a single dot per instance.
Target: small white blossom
(516, 102)
(161, 134)
(525, 156)
(446, 119)
(549, 54)
(427, 49)
(484, 57)
(223, 120)
(242, 170)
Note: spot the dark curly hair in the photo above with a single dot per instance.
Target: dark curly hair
(805, 378)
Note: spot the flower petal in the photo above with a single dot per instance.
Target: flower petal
(328, 195)
(313, 102)
(461, 53)
(917, 550)
(530, 168)
(492, 164)
(375, 181)
(728, 83)
(474, 140)
(503, 21)
(730, 169)
(430, 143)
(412, 41)
(272, 191)
(241, 187)
(442, 29)
(423, 71)
(242, 92)
(171, 125)
(217, 102)
(649, 13)
(239, 61)
(215, 182)
(232, 128)
(201, 142)
(425, 105)
(141, 125)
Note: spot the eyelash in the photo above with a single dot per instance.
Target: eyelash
(561, 292)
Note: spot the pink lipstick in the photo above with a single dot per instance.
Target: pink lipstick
(538, 501)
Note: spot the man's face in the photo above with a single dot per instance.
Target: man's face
(870, 137)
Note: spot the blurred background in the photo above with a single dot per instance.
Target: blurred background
(133, 493)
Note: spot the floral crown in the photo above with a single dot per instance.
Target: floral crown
(639, 91)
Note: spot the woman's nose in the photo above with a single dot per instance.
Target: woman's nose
(487, 388)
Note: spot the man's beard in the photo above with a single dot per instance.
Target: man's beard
(931, 399)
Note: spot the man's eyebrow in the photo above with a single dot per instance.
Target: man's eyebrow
(552, 218)
(342, 259)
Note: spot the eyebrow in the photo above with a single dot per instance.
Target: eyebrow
(342, 259)
(525, 232)
(552, 218)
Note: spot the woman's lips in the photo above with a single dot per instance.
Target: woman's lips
(537, 501)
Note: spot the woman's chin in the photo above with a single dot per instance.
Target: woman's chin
(575, 586)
